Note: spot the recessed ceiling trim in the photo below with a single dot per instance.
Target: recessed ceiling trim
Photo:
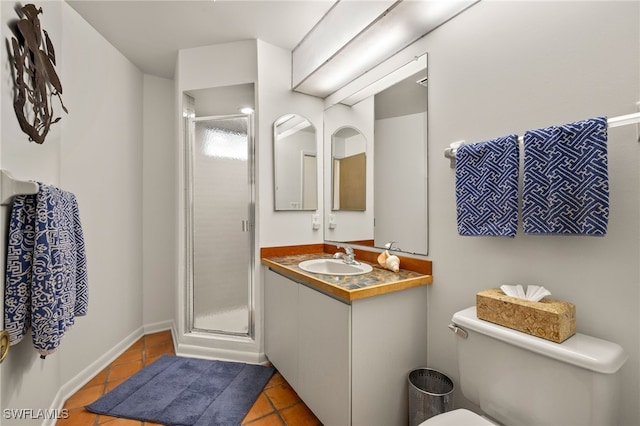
(337, 28)
(395, 29)
(388, 80)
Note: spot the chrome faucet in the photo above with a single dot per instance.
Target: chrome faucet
(348, 257)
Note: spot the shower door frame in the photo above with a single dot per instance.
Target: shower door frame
(248, 225)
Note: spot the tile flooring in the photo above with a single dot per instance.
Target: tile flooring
(277, 405)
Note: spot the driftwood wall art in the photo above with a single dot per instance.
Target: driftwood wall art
(35, 78)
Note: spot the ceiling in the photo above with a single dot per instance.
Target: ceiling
(150, 33)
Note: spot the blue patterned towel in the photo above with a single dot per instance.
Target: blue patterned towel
(46, 279)
(487, 187)
(566, 185)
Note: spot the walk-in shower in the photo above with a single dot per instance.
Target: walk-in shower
(220, 225)
(218, 219)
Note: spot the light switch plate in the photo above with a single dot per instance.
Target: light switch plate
(332, 221)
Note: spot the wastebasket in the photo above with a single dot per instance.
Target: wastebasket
(430, 394)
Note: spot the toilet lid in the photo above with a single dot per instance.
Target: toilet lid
(459, 417)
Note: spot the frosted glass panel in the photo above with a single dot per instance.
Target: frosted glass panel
(220, 212)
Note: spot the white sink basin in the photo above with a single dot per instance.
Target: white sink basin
(334, 267)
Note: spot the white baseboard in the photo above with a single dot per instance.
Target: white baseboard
(195, 351)
(82, 378)
(159, 326)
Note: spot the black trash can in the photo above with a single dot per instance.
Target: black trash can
(430, 394)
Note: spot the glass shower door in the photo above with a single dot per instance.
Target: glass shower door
(221, 231)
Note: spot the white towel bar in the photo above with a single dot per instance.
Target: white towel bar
(10, 187)
(622, 120)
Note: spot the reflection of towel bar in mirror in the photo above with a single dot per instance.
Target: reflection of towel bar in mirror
(622, 120)
(11, 187)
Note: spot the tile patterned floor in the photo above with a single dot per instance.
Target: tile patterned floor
(277, 405)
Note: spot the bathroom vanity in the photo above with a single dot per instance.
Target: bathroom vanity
(346, 343)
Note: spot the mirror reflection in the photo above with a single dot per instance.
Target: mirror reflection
(399, 171)
(295, 164)
(400, 178)
(349, 170)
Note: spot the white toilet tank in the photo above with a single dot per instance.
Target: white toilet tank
(519, 379)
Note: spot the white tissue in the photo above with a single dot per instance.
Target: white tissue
(513, 291)
(534, 293)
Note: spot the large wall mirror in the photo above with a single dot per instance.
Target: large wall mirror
(349, 170)
(399, 170)
(295, 164)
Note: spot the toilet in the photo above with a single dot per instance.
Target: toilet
(519, 379)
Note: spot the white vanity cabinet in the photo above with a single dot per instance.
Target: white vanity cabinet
(323, 355)
(347, 361)
(307, 340)
(281, 336)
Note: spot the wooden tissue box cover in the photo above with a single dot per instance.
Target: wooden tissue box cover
(550, 319)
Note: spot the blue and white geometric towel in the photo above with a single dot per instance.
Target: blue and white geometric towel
(566, 185)
(487, 187)
(46, 283)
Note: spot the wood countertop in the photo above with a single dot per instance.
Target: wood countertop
(345, 288)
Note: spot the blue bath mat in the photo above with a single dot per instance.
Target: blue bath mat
(186, 391)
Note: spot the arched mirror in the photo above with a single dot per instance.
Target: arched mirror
(295, 164)
(349, 170)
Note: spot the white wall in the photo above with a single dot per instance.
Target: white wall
(96, 153)
(101, 161)
(276, 99)
(158, 192)
(506, 67)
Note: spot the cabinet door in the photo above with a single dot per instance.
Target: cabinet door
(389, 340)
(281, 324)
(325, 365)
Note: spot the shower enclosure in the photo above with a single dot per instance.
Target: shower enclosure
(219, 220)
